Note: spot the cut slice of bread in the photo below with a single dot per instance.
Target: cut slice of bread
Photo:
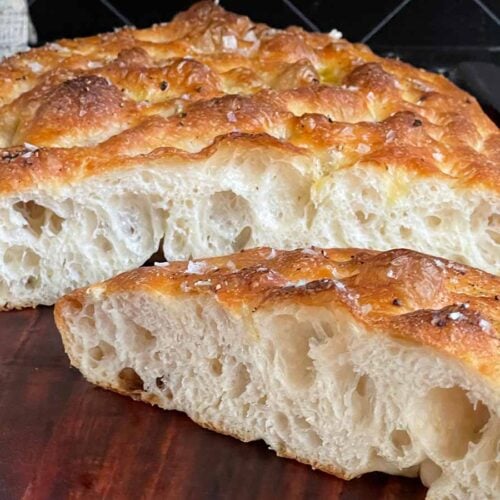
(349, 360)
(213, 133)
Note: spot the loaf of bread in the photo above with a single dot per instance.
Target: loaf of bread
(349, 360)
(212, 133)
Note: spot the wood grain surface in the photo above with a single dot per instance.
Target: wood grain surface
(60, 437)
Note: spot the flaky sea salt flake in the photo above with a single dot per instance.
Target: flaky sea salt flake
(335, 34)
(229, 42)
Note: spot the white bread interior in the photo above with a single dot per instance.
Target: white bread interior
(54, 239)
(311, 381)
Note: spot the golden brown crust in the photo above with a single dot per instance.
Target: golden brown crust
(96, 103)
(429, 301)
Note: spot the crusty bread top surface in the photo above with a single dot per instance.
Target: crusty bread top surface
(209, 78)
(425, 300)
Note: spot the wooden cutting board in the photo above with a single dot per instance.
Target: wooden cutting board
(60, 438)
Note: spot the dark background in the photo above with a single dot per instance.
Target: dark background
(436, 34)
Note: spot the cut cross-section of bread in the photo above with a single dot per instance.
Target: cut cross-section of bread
(213, 133)
(349, 360)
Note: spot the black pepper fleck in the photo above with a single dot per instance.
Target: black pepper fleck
(163, 85)
(417, 123)
(396, 302)
(160, 383)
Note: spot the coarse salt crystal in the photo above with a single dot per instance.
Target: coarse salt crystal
(390, 273)
(202, 283)
(297, 283)
(250, 36)
(30, 147)
(301, 282)
(335, 34)
(229, 42)
(484, 325)
(456, 316)
(231, 117)
(272, 254)
(196, 267)
(231, 265)
(390, 136)
(438, 156)
(35, 66)
(363, 148)
(56, 46)
(309, 251)
(457, 267)
(338, 284)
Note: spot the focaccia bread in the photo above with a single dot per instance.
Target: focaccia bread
(211, 133)
(349, 360)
